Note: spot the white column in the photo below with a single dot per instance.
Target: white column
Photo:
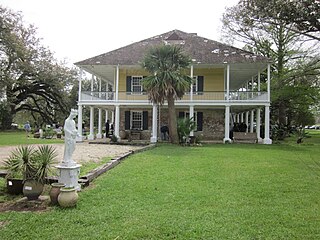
(251, 120)
(191, 113)
(267, 139)
(258, 125)
(228, 82)
(117, 122)
(247, 120)
(226, 125)
(268, 82)
(79, 136)
(117, 83)
(154, 136)
(92, 78)
(259, 81)
(238, 118)
(191, 87)
(91, 134)
(99, 135)
(241, 117)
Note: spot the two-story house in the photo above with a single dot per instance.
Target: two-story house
(226, 89)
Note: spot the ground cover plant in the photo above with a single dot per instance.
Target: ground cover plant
(231, 191)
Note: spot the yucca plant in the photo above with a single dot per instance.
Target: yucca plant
(43, 159)
(20, 162)
(31, 163)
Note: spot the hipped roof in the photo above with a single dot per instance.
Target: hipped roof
(200, 49)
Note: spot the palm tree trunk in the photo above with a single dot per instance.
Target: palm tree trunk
(173, 132)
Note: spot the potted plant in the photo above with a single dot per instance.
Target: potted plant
(16, 165)
(41, 165)
(33, 165)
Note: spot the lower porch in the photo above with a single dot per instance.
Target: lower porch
(145, 123)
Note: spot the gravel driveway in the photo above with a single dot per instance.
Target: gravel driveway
(84, 151)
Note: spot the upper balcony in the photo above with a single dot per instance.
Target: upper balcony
(204, 97)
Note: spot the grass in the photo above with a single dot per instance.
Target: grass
(20, 138)
(218, 191)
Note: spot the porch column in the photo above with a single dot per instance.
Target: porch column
(154, 136)
(117, 122)
(91, 135)
(99, 135)
(268, 82)
(191, 111)
(228, 83)
(241, 117)
(79, 136)
(117, 83)
(267, 139)
(251, 121)
(247, 121)
(92, 79)
(258, 125)
(226, 125)
(191, 87)
(259, 77)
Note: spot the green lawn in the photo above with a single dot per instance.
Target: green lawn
(230, 191)
(20, 137)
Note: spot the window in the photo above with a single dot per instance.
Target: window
(136, 120)
(136, 85)
(195, 84)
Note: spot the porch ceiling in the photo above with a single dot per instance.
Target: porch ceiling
(240, 73)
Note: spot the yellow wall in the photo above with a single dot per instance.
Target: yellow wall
(123, 73)
(213, 77)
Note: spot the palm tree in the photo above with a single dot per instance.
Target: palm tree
(167, 81)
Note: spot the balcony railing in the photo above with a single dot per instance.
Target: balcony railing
(197, 96)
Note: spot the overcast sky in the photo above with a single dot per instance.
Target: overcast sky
(79, 29)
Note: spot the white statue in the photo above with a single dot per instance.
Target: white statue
(70, 133)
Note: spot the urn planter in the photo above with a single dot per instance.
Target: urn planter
(32, 189)
(55, 191)
(68, 197)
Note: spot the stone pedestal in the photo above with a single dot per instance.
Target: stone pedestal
(69, 175)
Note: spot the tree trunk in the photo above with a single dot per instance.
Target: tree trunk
(173, 132)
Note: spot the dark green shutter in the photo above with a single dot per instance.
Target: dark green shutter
(128, 90)
(181, 114)
(145, 120)
(199, 121)
(143, 90)
(127, 120)
(200, 85)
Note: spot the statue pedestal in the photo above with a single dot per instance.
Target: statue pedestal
(68, 174)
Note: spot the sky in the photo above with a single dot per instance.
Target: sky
(79, 29)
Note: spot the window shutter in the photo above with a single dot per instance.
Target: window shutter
(200, 85)
(128, 84)
(199, 121)
(181, 114)
(143, 90)
(145, 120)
(127, 120)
